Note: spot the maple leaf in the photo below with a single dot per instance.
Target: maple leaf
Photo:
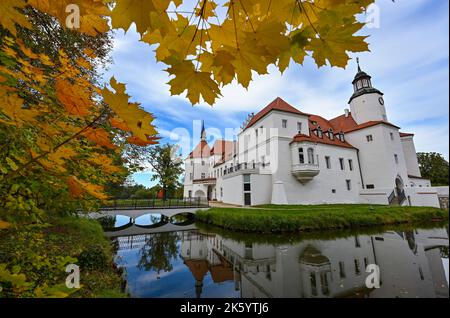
(137, 120)
(4, 225)
(75, 188)
(10, 15)
(126, 12)
(74, 98)
(196, 83)
(99, 136)
(142, 143)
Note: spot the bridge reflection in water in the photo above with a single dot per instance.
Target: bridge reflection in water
(170, 258)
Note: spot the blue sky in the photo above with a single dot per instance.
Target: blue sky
(408, 62)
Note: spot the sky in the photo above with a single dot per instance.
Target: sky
(408, 62)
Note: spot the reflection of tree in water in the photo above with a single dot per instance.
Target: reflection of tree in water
(158, 252)
(411, 241)
(444, 251)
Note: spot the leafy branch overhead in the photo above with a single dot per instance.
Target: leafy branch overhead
(210, 43)
(57, 123)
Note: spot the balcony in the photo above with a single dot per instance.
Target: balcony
(243, 168)
(305, 172)
(206, 181)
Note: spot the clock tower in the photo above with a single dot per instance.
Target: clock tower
(366, 103)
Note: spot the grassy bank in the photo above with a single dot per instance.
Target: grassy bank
(33, 259)
(282, 219)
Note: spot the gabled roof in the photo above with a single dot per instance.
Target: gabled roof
(348, 124)
(343, 122)
(278, 104)
(201, 151)
(371, 124)
(315, 122)
(324, 140)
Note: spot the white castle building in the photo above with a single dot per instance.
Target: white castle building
(285, 156)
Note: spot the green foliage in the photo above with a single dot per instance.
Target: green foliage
(434, 167)
(39, 254)
(158, 251)
(93, 257)
(312, 218)
(167, 166)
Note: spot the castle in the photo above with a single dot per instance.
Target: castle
(285, 156)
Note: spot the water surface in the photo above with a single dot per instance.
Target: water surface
(165, 257)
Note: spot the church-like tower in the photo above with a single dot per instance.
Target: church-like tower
(366, 103)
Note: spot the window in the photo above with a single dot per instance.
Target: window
(310, 156)
(357, 243)
(328, 162)
(392, 136)
(349, 184)
(312, 277)
(319, 132)
(396, 158)
(341, 162)
(370, 186)
(284, 123)
(247, 190)
(203, 163)
(342, 269)
(301, 155)
(299, 127)
(350, 164)
(357, 267)
(190, 194)
(203, 176)
(366, 262)
(190, 176)
(331, 134)
(324, 283)
(369, 138)
(221, 192)
(333, 191)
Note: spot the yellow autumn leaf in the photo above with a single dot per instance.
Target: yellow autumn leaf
(194, 82)
(138, 121)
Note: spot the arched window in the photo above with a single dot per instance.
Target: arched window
(311, 156)
(301, 155)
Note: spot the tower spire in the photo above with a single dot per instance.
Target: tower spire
(359, 67)
(203, 133)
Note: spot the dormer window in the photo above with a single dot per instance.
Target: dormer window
(319, 132)
(330, 134)
(341, 136)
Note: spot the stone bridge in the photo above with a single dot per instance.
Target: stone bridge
(133, 213)
(133, 229)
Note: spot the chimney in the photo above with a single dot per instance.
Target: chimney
(347, 112)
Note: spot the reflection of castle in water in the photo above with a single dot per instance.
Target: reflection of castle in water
(410, 265)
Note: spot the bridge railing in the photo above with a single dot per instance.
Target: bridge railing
(137, 204)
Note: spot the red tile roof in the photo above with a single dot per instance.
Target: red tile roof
(201, 151)
(371, 124)
(324, 140)
(343, 123)
(348, 124)
(406, 135)
(278, 104)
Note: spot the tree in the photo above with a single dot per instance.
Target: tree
(158, 252)
(167, 166)
(62, 136)
(433, 166)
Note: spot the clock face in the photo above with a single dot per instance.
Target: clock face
(381, 100)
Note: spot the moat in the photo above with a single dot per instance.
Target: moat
(184, 260)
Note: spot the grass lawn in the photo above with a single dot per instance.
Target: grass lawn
(34, 258)
(298, 218)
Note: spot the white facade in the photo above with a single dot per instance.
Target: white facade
(285, 156)
(410, 265)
